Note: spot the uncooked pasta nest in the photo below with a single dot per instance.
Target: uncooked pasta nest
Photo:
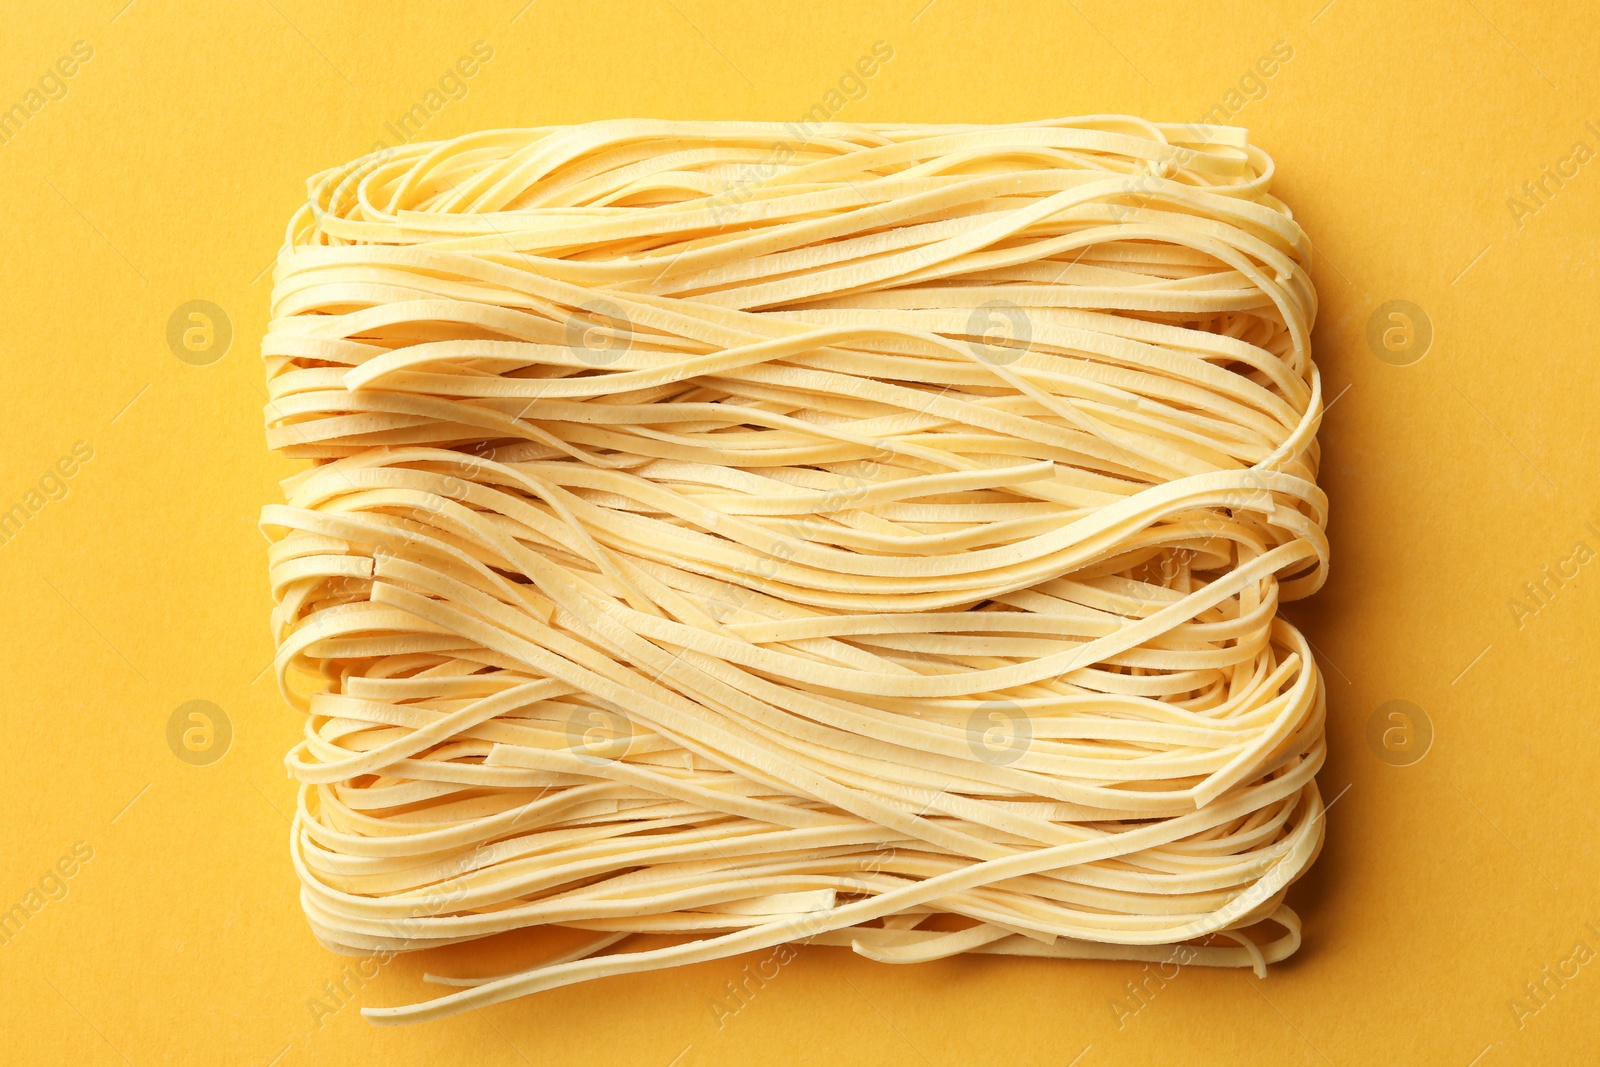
(716, 540)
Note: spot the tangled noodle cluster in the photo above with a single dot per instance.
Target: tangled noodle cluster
(873, 541)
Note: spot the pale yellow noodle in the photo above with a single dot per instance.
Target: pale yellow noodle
(873, 541)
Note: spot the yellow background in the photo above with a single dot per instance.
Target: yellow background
(166, 174)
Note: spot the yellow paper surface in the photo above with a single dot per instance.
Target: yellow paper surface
(1466, 517)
